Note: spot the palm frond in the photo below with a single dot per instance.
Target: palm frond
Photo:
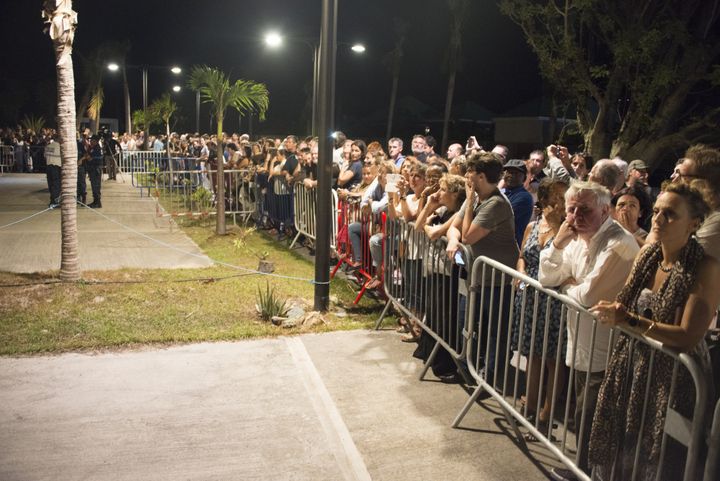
(215, 88)
(32, 123)
(164, 107)
(96, 103)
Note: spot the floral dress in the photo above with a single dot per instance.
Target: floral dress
(531, 255)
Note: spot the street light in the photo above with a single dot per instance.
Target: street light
(275, 40)
(176, 88)
(114, 67)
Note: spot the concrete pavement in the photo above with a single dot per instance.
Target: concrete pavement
(104, 244)
(335, 406)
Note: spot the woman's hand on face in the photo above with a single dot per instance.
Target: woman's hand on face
(611, 313)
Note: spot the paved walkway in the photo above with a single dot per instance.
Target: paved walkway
(34, 245)
(335, 406)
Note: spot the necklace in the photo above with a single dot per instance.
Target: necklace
(665, 269)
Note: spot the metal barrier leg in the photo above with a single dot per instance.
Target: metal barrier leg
(295, 239)
(383, 314)
(430, 360)
(468, 405)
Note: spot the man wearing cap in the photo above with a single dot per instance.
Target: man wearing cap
(637, 172)
(514, 174)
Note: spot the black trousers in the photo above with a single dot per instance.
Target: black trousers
(52, 172)
(94, 170)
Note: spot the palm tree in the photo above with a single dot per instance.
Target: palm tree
(244, 95)
(453, 59)
(61, 22)
(393, 61)
(163, 109)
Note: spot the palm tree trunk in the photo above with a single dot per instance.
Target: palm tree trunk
(448, 108)
(391, 110)
(220, 191)
(62, 43)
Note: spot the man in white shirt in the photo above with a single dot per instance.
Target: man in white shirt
(52, 171)
(589, 260)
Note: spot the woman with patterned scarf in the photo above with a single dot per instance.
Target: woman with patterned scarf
(670, 296)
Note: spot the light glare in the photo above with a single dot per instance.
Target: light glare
(358, 48)
(176, 70)
(273, 39)
(177, 88)
(113, 67)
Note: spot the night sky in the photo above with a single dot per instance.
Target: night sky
(499, 71)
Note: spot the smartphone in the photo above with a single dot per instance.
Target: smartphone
(459, 259)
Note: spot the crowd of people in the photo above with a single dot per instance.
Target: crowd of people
(641, 257)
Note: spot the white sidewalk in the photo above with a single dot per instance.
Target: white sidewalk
(336, 406)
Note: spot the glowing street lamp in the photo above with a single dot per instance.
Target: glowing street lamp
(273, 39)
(113, 67)
(176, 88)
(176, 70)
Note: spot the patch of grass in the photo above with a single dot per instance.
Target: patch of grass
(131, 307)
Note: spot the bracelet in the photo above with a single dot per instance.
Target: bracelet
(632, 319)
(649, 328)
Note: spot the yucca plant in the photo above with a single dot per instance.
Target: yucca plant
(269, 304)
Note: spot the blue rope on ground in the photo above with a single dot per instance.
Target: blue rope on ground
(24, 219)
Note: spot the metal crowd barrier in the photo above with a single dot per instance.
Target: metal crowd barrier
(427, 287)
(7, 158)
(139, 160)
(712, 466)
(493, 314)
(305, 215)
(367, 230)
(191, 193)
(277, 205)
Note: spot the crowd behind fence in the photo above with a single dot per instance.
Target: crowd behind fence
(475, 314)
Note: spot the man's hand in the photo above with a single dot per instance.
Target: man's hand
(469, 190)
(562, 153)
(565, 235)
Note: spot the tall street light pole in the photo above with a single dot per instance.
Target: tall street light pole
(197, 112)
(326, 122)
